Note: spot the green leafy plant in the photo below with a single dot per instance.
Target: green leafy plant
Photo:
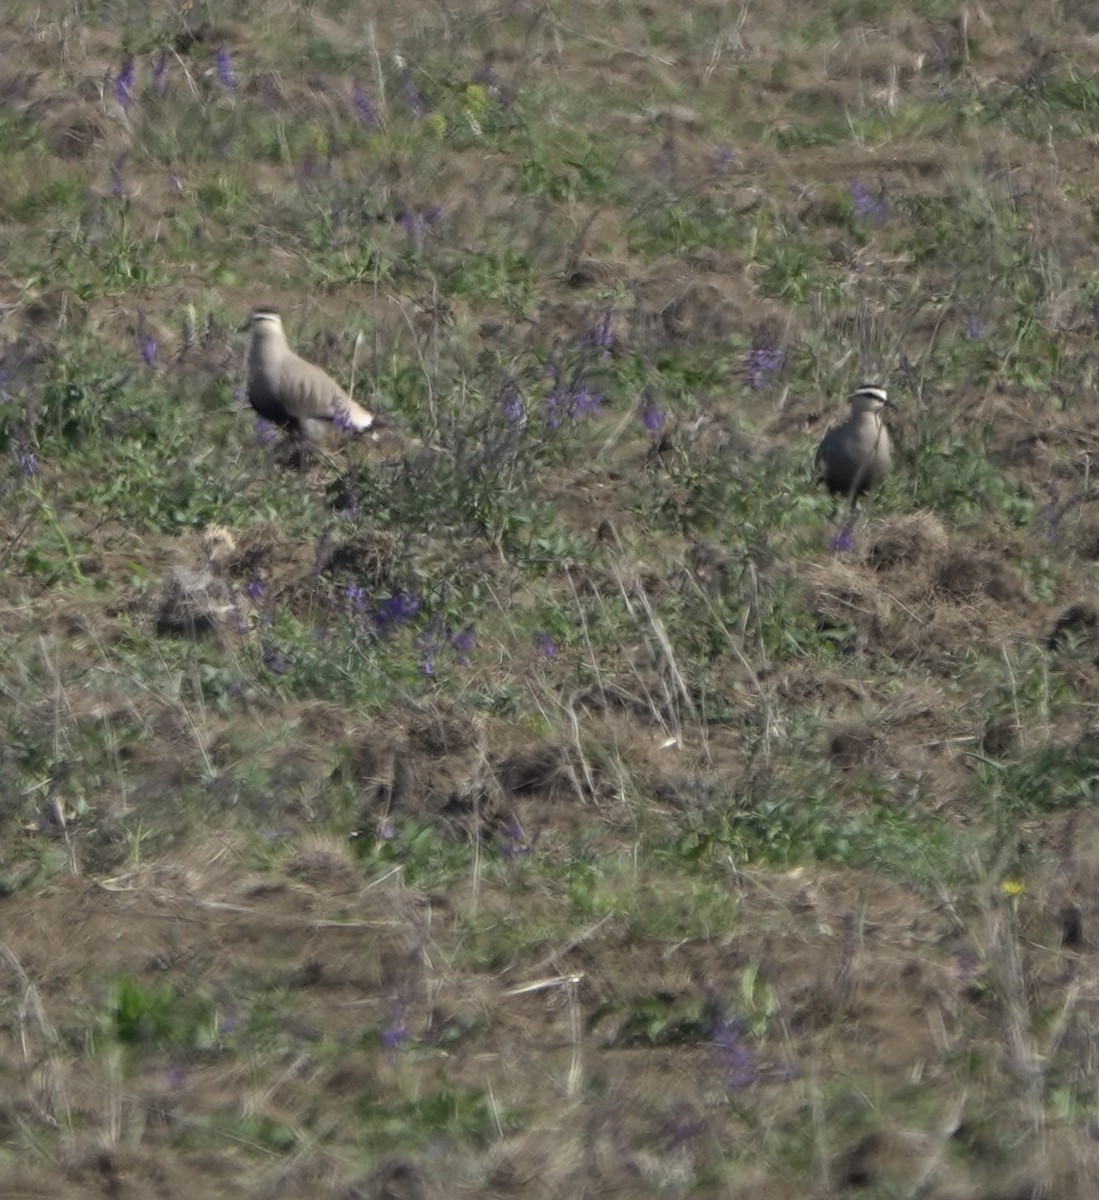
(145, 1016)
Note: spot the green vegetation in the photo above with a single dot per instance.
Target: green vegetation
(555, 794)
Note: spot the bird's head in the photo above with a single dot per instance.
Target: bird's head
(263, 320)
(870, 398)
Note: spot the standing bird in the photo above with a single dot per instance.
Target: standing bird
(856, 456)
(293, 393)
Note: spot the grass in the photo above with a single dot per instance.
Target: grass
(548, 798)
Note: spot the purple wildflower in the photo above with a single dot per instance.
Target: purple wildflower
(512, 408)
(652, 418)
(463, 642)
(361, 103)
(147, 347)
(176, 1077)
(555, 408)
(412, 224)
(545, 645)
(605, 334)
(241, 624)
(965, 967)
(868, 207)
(974, 328)
(410, 94)
(387, 831)
(27, 463)
(356, 597)
(602, 336)
(395, 1031)
(160, 74)
(124, 83)
(254, 590)
(266, 431)
(724, 157)
(585, 401)
(395, 609)
(513, 841)
(275, 662)
(734, 1054)
(843, 541)
(226, 76)
(567, 402)
(436, 637)
(762, 360)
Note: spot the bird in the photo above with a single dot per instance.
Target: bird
(854, 458)
(295, 394)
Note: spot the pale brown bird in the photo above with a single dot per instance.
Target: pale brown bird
(287, 390)
(856, 456)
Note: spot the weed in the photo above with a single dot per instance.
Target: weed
(552, 669)
(148, 1017)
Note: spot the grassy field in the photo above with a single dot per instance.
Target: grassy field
(552, 797)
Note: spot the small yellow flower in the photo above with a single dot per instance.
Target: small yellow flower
(319, 142)
(1012, 887)
(475, 100)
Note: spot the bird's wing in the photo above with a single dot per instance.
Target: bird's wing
(309, 393)
(827, 451)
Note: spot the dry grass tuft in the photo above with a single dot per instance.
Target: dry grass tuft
(912, 541)
(324, 861)
(193, 604)
(966, 576)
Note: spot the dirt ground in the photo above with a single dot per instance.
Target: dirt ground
(855, 1035)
